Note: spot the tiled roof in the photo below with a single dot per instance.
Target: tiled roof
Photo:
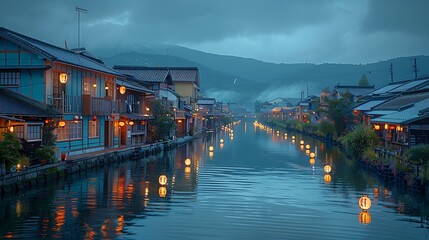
(55, 53)
(206, 101)
(15, 104)
(413, 85)
(385, 89)
(403, 101)
(354, 90)
(369, 105)
(414, 113)
(134, 86)
(159, 74)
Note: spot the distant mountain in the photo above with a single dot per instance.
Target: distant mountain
(239, 79)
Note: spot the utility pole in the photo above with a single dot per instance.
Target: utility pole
(79, 10)
(307, 89)
(391, 72)
(415, 68)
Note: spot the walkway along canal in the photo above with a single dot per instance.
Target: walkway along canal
(256, 184)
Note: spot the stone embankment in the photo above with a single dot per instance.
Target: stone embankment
(42, 175)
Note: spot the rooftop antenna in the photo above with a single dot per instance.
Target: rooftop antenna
(79, 10)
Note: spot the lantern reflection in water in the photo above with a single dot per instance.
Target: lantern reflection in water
(211, 155)
(221, 145)
(365, 217)
(327, 178)
(312, 155)
(312, 161)
(162, 191)
(187, 169)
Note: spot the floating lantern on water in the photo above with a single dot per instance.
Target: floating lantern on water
(187, 162)
(307, 146)
(162, 180)
(301, 142)
(211, 148)
(365, 217)
(364, 203)
(221, 140)
(327, 168)
(293, 137)
(312, 155)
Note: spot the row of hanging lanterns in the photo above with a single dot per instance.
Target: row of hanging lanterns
(64, 78)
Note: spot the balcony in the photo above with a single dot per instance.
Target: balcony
(98, 106)
(179, 114)
(66, 103)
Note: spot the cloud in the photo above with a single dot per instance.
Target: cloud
(278, 31)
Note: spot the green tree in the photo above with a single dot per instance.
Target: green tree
(163, 123)
(363, 81)
(418, 155)
(46, 152)
(10, 149)
(339, 111)
(359, 140)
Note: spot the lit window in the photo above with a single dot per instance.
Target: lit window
(94, 129)
(19, 131)
(71, 131)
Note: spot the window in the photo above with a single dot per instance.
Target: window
(90, 86)
(19, 131)
(71, 131)
(34, 132)
(75, 130)
(10, 78)
(94, 129)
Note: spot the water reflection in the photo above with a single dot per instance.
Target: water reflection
(255, 186)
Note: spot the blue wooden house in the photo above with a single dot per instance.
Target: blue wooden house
(71, 81)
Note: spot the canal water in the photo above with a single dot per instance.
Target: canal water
(257, 184)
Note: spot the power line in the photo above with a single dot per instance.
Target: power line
(79, 10)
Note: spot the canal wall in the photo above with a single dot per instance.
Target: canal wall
(42, 175)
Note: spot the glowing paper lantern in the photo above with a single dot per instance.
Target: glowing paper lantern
(221, 140)
(63, 78)
(121, 124)
(162, 180)
(293, 137)
(61, 123)
(364, 203)
(131, 123)
(301, 142)
(307, 146)
(187, 162)
(211, 148)
(327, 168)
(122, 89)
(312, 155)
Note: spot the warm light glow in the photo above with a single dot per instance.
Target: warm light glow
(327, 178)
(376, 192)
(211, 155)
(364, 203)
(61, 123)
(293, 137)
(307, 146)
(365, 217)
(312, 155)
(121, 124)
(179, 121)
(11, 129)
(63, 78)
(162, 180)
(312, 161)
(211, 148)
(327, 168)
(94, 85)
(187, 162)
(162, 191)
(131, 123)
(221, 145)
(147, 109)
(376, 127)
(122, 89)
(301, 142)
(398, 128)
(187, 169)
(386, 126)
(221, 140)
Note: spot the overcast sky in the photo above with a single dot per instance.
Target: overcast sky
(310, 31)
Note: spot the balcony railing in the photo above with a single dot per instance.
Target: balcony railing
(129, 108)
(66, 103)
(98, 106)
(179, 114)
